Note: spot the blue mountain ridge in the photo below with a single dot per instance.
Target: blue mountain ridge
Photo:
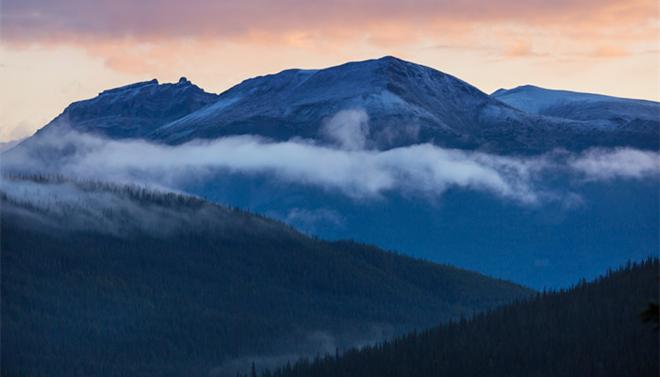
(406, 103)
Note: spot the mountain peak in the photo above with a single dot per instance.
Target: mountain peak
(387, 61)
(393, 60)
(134, 110)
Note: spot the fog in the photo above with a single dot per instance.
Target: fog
(57, 204)
(603, 164)
(341, 162)
(308, 345)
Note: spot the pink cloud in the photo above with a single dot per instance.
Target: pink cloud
(40, 20)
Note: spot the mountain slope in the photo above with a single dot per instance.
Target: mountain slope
(107, 280)
(592, 329)
(549, 245)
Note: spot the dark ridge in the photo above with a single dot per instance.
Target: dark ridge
(142, 283)
(592, 329)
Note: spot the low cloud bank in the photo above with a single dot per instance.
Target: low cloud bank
(422, 170)
(603, 164)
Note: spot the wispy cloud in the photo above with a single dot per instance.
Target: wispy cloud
(349, 129)
(308, 345)
(604, 164)
(422, 170)
(312, 220)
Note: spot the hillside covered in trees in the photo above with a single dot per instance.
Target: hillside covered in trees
(107, 280)
(593, 329)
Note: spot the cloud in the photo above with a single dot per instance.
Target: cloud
(521, 48)
(609, 52)
(603, 164)
(51, 203)
(152, 30)
(348, 128)
(312, 220)
(309, 345)
(423, 170)
(57, 204)
(43, 19)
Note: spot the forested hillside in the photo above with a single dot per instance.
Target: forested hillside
(593, 329)
(107, 280)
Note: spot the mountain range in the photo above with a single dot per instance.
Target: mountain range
(395, 113)
(406, 103)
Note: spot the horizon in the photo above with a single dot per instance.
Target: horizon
(54, 54)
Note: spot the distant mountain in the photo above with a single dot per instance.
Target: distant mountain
(107, 280)
(133, 111)
(593, 329)
(604, 110)
(406, 104)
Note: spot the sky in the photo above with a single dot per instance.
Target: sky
(54, 52)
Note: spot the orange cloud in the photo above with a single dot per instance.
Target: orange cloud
(519, 48)
(609, 52)
(38, 20)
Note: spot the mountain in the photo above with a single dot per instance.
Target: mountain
(406, 104)
(574, 232)
(135, 110)
(593, 329)
(604, 110)
(108, 280)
